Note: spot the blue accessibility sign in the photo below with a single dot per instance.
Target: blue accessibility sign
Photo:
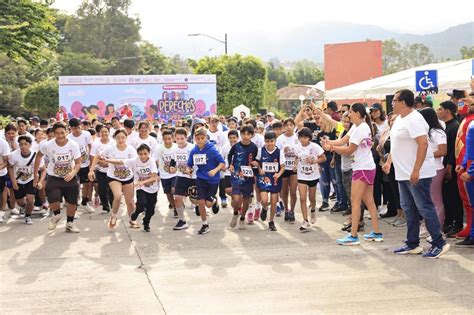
(427, 81)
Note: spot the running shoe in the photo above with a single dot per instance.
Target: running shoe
(112, 222)
(233, 221)
(14, 211)
(22, 210)
(2, 216)
(181, 225)
(71, 228)
(146, 227)
(224, 202)
(28, 221)
(263, 215)
(305, 227)
(256, 214)
(313, 216)
(87, 208)
(400, 223)
(405, 250)
(250, 217)
(279, 208)
(215, 207)
(54, 221)
(271, 226)
(287, 216)
(324, 207)
(349, 240)
(373, 237)
(436, 252)
(291, 216)
(333, 196)
(242, 225)
(204, 229)
(466, 243)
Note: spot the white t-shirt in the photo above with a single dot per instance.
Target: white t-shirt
(181, 158)
(225, 153)
(163, 157)
(97, 148)
(218, 137)
(308, 169)
(403, 146)
(35, 145)
(119, 172)
(381, 128)
(362, 158)
(143, 171)
(132, 137)
(288, 145)
(23, 172)
(60, 159)
(84, 140)
(258, 140)
(437, 137)
(4, 151)
(149, 141)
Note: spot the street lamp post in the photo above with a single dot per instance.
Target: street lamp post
(216, 39)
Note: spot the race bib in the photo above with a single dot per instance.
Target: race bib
(199, 159)
(246, 171)
(121, 172)
(180, 158)
(270, 167)
(24, 173)
(290, 163)
(307, 168)
(84, 155)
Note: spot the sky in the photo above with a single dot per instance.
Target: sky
(167, 23)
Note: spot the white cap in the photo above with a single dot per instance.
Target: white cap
(271, 114)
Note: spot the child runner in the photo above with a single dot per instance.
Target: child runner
(271, 163)
(309, 155)
(209, 162)
(233, 136)
(241, 159)
(359, 138)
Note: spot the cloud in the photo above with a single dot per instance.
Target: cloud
(135, 91)
(76, 93)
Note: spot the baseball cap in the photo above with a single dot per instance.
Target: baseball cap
(449, 106)
(233, 119)
(376, 106)
(214, 118)
(271, 114)
(34, 118)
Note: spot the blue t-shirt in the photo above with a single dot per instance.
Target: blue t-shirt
(240, 156)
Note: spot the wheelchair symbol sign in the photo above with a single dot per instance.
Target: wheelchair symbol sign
(426, 80)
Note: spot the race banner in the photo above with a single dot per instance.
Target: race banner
(138, 97)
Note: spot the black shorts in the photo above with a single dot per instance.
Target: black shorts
(182, 185)
(287, 173)
(3, 180)
(206, 190)
(123, 182)
(83, 175)
(25, 189)
(227, 181)
(57, 188)
(168, 184)
(310, 183)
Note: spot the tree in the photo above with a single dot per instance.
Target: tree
(277, 74)
(397, 58)
(13, 78)
(240, 80)
(391, 56)
(270, 98)
(154, 61)
(467, 52)
(306, 72)
(103, 29)
(72, 63)
(42, 98)
(26, 28)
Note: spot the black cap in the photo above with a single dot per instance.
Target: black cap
(418, 100)
(376, 106)
(449, 106)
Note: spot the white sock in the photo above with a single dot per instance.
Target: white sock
(205, 223)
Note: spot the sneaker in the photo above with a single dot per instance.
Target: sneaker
(175, 214)
(393, 220)
(224, 202)
(22, 210)
(204, 229)
(279, 208)
(181, 225)
(170, 206)
(250, 217)
(313, 216)
(87, 208)
(429, 239)
(134, 224)
(263, 215)
(2, 215)
(349, 240)
(405, 250)
(436, 252)
(28, 221)
(453, 231)
(14, 211)
(105, 210)
(347, 212)
(71, 228)
(372, 236)
(333, 196)
(215, 208)
(291, 216)
(146, 227)
(382, 209)
(256, 214)
(400, 223)
(196, 210)
(324, 207)
(39, 210)
(287, 216)
(54, 221)
(242, 225)
(112, 222)
(337, 209)
(467, 243)
(233, 221)
(271, 226)
(305, 227)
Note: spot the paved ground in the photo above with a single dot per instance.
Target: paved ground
(226, 271)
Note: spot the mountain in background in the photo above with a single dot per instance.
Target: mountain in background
(307, 42)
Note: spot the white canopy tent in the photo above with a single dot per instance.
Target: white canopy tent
(451, 75)
(241, 108)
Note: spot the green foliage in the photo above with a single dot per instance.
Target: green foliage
(397, 58)
(42, 97)
(305, 72)
(270, 98)
(240, 80)
(26, 29)
(72, 63)
(467, 52)
(13, 78)
(277, 74)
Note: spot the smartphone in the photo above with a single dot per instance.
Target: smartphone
(172, 163)
(458, 94)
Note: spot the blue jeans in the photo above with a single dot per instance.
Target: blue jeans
(415, 200)
(340, 191)
(328, 176)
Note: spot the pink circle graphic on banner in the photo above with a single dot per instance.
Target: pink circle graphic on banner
(76, 110)
(213, 109)
(200, 107)
(149, 102)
